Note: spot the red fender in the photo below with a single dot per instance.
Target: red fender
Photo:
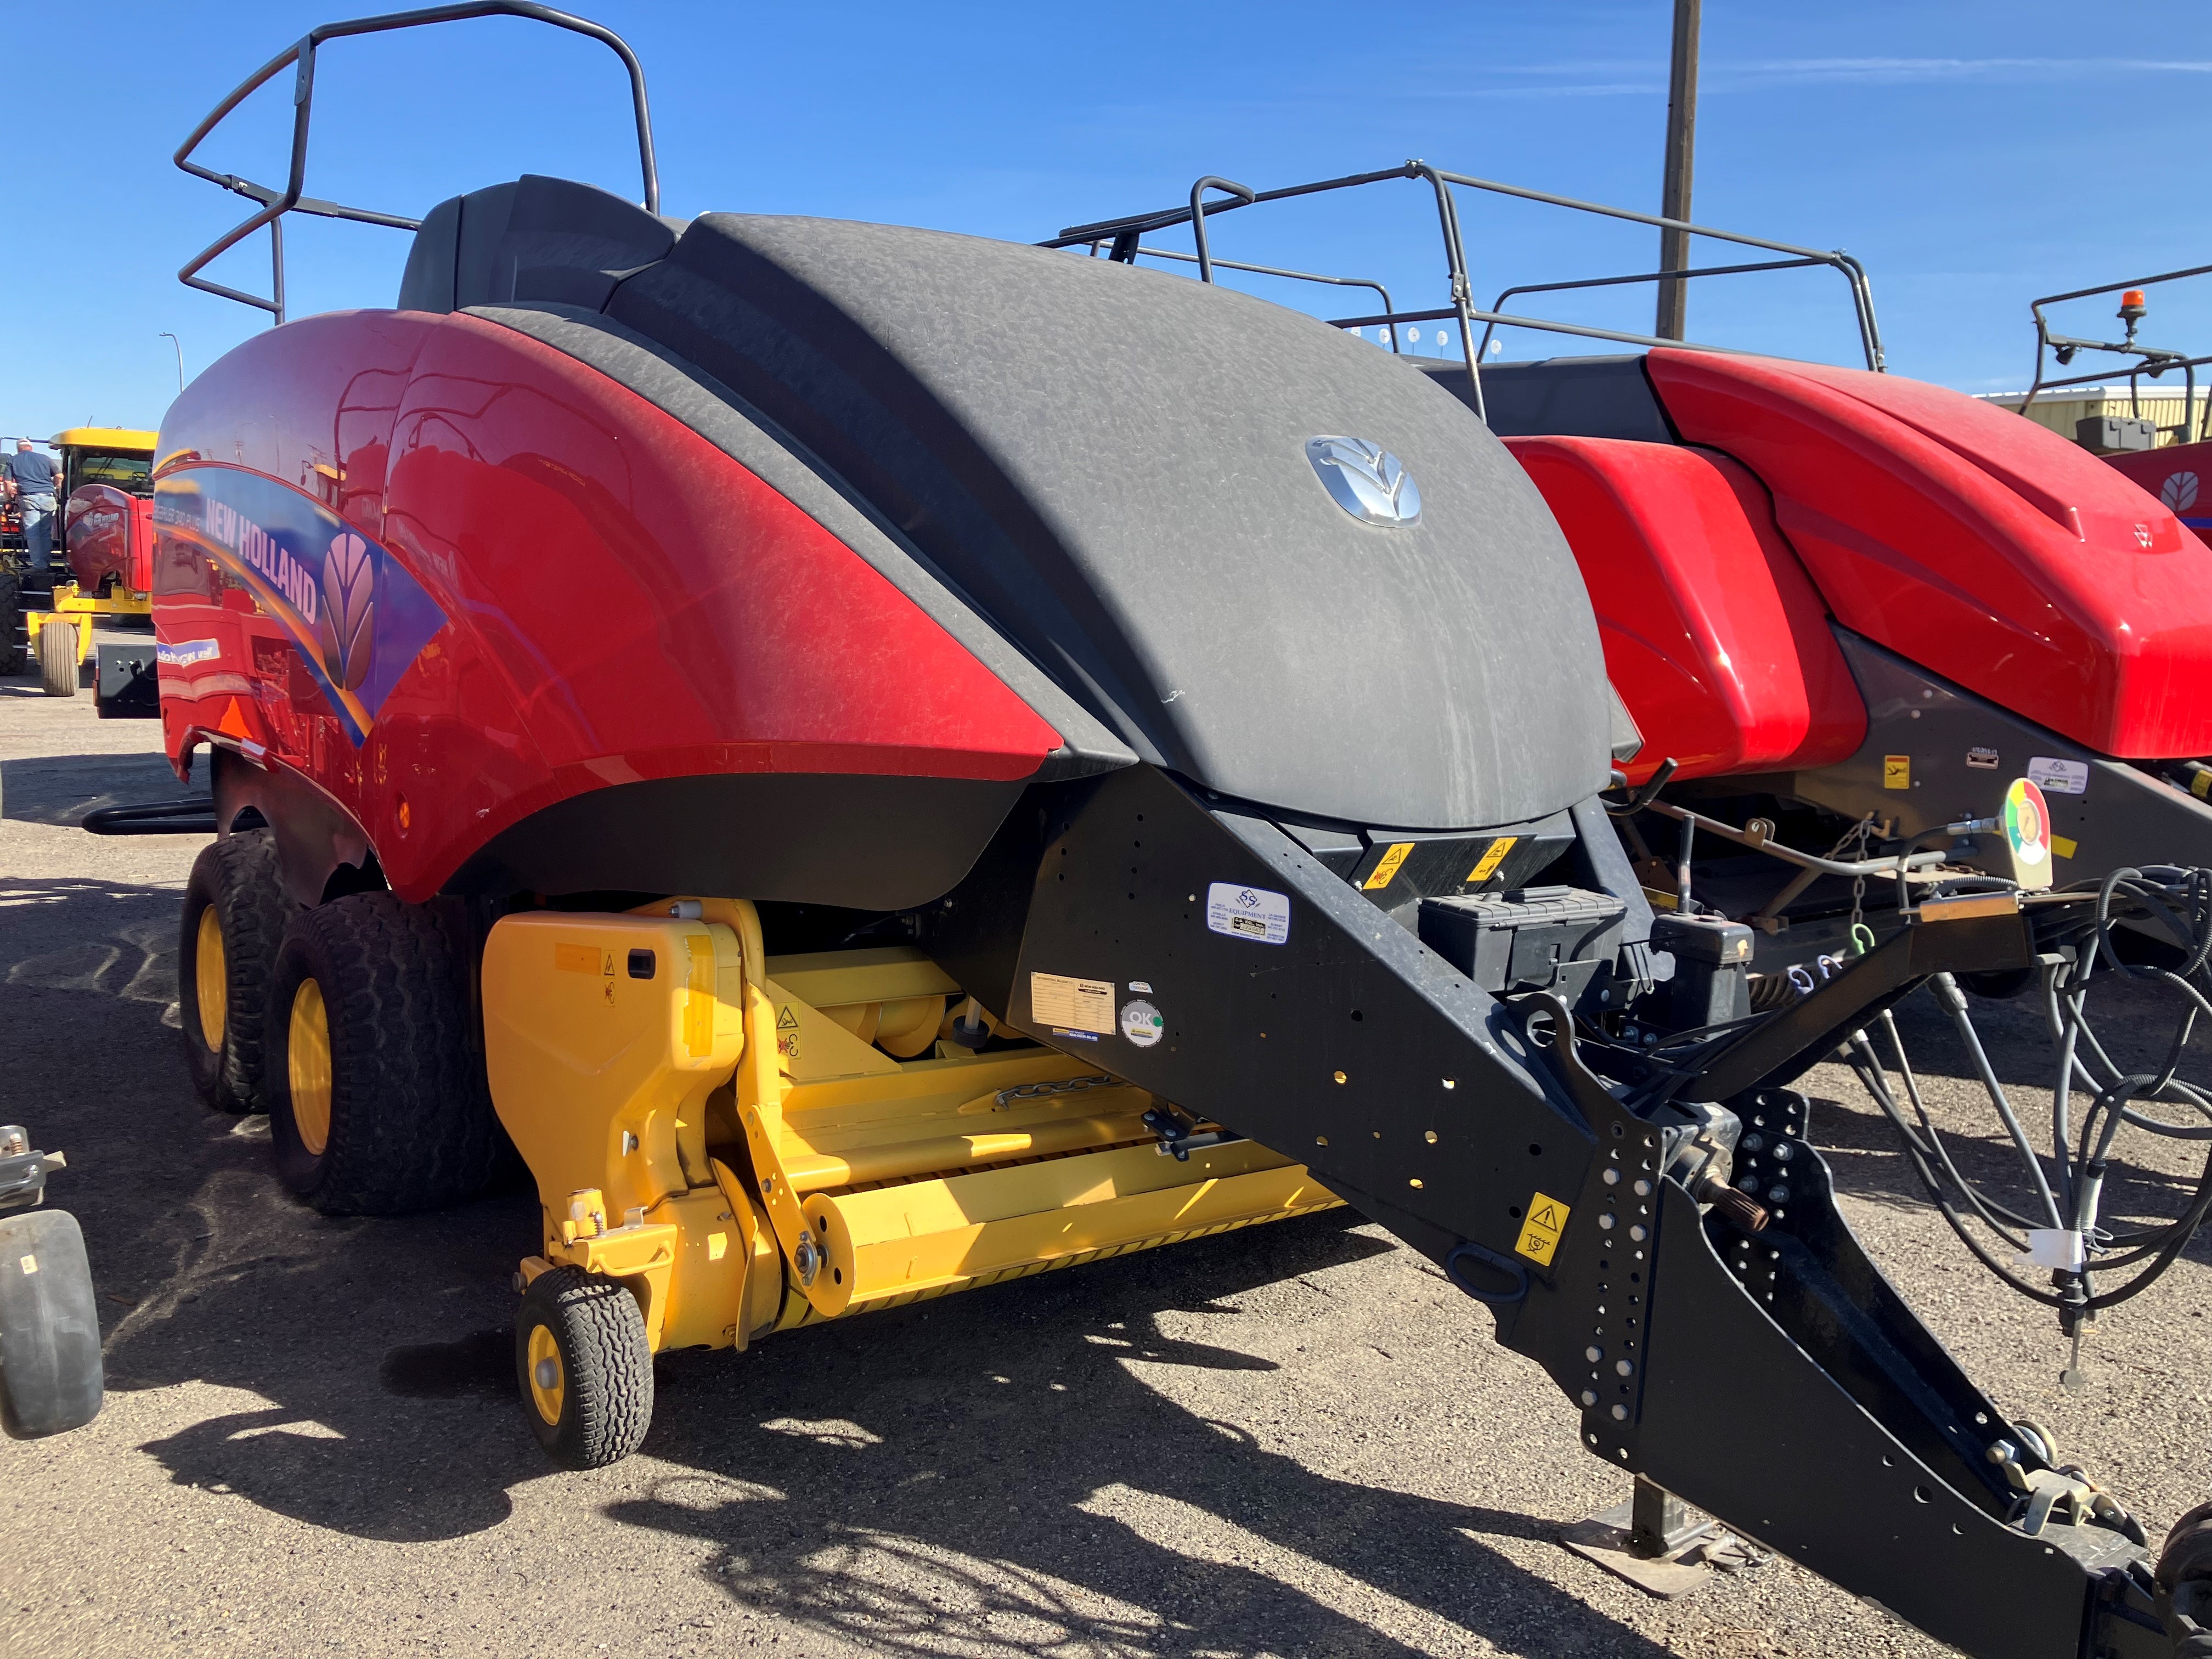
(450, 576)
(1713, 633)
(1982, 546)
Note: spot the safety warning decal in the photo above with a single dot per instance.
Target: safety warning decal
(1393, 856)
(1493, 856)
(1252, 913)
(1540, 1229)
(1984, 760)
(2060, 777)
(1896, 771)
(1072, 1004)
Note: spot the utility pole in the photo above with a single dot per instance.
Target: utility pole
(173, 340)
(1681, 150)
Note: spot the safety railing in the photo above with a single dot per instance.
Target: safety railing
(275, 203)
(2154, 361)
(1122, 238)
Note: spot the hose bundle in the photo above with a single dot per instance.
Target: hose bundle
(2169, 904)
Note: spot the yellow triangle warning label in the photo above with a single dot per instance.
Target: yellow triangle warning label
(1540, 1233)
(785, 1020)
(233, 722)
(607, 969)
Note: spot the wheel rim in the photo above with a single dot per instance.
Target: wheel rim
(549, 1384)
(211, 978)
(307, 1067)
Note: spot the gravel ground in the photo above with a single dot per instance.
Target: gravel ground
(1294, 1440)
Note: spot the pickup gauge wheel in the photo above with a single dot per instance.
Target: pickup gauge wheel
(585, 1368)
(58, 659)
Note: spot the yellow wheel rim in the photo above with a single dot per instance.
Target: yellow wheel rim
(307, 1065)
(549, 1384)
(211, 978)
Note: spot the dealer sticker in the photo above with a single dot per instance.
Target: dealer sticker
(1252, 913)
(1141, 1023)
(1072, 1005)
(184, 652)
(2060, 777)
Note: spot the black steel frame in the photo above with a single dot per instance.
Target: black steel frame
(2155, 360)
(1123, 237)
(1771, 1377)
(292, 198)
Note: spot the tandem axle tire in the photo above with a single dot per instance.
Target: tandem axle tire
(58, 674)
(234, 915)
(585, 1368)
(378, 1103)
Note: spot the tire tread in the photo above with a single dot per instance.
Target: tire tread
(237, 874)
(412, 1126)
(57, 664)
(609, 1363)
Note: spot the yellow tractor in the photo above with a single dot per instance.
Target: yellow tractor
(104, 545)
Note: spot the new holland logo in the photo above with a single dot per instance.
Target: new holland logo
(2179, 492)
(357, 616)
(1366, 481)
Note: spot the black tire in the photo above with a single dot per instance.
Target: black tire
(597, 1409)
(49, 1369)
(1998, 984)
(401, 1118)
(234, 881)
(58, 674)
(11, 621)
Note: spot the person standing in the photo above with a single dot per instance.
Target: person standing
(33, 475)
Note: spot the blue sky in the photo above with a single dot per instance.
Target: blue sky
(1973, 153)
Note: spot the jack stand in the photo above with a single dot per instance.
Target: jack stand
(1659, 1544)
(2074, 1378)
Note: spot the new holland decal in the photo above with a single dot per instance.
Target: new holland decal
(357, 617)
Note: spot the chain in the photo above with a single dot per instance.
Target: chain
(1073, 1085)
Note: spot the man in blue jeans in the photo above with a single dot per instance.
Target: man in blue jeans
(32, 475)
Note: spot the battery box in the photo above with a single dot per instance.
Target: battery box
(1559, 938)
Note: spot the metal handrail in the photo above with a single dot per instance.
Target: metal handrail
(1272, 270)
(292, 198)
(2154, 360)
(1124, 232)
(1646, 276)
(1242, 192)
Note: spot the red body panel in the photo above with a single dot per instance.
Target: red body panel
(1713, 633)
(614, 599)
(2181, 476)
(1981, 546)
(109, 532)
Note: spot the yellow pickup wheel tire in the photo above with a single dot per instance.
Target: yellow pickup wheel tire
(584, 1368)
(234, 920)
(58, 674)
(378, 1103)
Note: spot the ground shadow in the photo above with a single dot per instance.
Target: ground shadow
(60, 789)
(989, 1470)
